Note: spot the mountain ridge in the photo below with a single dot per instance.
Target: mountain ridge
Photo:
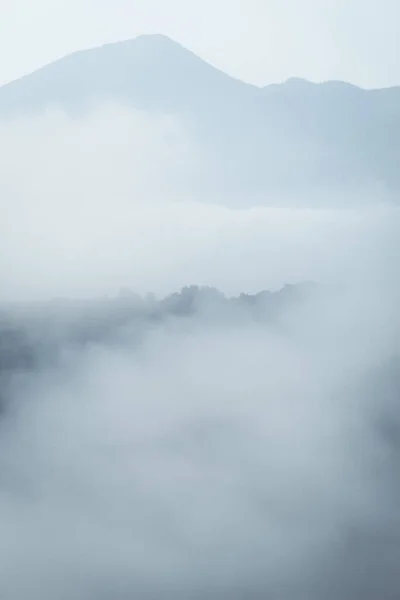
(164, 39)
(288, 137)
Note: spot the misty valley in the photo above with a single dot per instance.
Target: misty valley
(149, 447)
(236, 439)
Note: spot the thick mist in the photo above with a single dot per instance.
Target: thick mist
(123, 198)
(194, 445)
(210, 454)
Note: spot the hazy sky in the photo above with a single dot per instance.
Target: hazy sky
(261, 41)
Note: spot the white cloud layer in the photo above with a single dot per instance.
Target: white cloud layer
(210, 458)
(125, 199)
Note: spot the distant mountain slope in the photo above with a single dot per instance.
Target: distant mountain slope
(150, 72)
(288, 138)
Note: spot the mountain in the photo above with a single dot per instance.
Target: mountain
(150, 72)
(284, 139)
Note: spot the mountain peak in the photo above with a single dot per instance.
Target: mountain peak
(153, 43)
(155, 38)
(148, 47)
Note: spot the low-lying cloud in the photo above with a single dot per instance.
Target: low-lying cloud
(123, 198)
(209, 457)
(241, 452)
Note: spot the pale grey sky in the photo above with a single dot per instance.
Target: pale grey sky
(261, 41)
